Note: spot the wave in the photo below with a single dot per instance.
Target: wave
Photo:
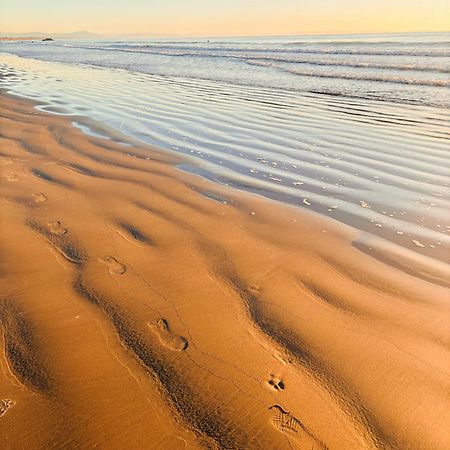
(294, 59)
(441, 52)
(363, 77)
(362, 65)
(356, 67)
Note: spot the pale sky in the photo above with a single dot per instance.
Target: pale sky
(224, 17)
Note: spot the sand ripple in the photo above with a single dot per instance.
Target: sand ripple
(144, 307)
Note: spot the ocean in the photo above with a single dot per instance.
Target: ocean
(353, 127)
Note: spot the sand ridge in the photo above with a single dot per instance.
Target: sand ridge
(138, 312)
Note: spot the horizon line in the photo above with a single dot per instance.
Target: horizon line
(30, 33)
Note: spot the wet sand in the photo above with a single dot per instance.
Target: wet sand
(380, 167)
(143, 307)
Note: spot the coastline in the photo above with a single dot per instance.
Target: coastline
(379, 167)
(166, 310)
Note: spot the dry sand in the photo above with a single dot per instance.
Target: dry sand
(137, 312)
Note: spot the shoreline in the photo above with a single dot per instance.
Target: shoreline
(139, 304)
(361, 163)
(392, 252)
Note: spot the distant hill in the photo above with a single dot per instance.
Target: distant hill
(77, 35)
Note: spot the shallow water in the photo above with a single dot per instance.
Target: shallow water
(406, 68)
(380, 166)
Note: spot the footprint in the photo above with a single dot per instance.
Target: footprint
(114, 266)
(40, 197)
(12, 176)
(56, 228)
(5, 404)
(167, 338)
(277, 383)
(285, 421)
(290, 425)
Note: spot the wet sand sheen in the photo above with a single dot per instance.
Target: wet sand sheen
(380, 167)
(143, 307)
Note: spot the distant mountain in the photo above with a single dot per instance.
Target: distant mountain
(77, 35)
(141, 35)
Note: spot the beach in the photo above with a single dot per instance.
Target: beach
(354, 128)
(147, 307)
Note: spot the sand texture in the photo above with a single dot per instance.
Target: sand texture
(145, 308)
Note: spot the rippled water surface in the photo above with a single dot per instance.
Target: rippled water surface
(412, 68)
(355, 128)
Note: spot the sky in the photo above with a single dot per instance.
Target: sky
(224, 17)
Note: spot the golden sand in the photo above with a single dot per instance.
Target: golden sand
(138, 313)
